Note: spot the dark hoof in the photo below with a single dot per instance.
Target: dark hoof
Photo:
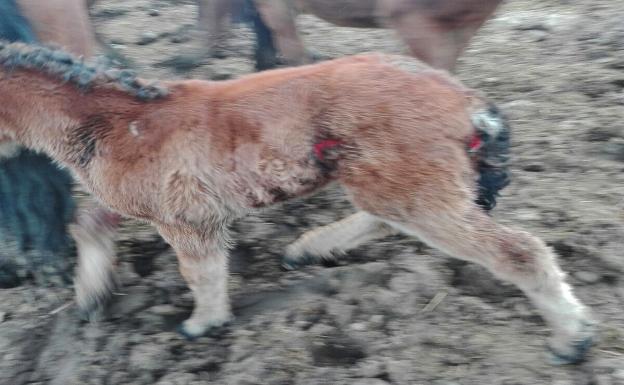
(581, 348)
(267, 62)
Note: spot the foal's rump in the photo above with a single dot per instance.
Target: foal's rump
(402, 121)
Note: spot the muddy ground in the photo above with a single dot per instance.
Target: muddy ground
(557, 69)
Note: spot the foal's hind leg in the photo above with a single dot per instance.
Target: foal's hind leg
(324, 243)
(514, 256)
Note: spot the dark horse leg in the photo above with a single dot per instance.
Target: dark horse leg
(265, 54)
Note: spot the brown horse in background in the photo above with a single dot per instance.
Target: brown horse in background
(409, 145)
(436, 32)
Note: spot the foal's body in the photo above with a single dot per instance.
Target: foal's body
(436, 32)
(193, 159)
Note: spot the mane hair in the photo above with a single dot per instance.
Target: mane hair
(69, 68)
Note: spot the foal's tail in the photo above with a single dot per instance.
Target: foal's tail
(490, 146)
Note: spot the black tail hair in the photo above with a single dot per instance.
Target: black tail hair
(493, 155)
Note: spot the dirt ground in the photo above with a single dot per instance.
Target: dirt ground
(555, 66)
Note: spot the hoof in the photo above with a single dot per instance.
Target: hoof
(579, 347)
(191, 335)
(577, 356)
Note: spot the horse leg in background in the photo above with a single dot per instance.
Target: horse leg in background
(62, 22)
(427, 40)
(279, 16)
(94, 233)
(212, 17)
(265, 51)
(439, 35)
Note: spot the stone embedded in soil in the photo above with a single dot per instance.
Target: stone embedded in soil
(164, 309)
(147, 38)
(587, 276)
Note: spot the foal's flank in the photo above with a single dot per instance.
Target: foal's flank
(190, 156)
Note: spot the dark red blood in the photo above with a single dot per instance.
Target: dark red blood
(323, 145)
(475, 143)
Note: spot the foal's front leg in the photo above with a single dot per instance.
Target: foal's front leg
(203, 263)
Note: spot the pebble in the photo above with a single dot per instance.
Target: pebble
(165, 309)
(147, 38)
(153, 12)
(358, 326)
(586, 276)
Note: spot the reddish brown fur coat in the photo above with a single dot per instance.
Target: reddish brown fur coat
(191, 160)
